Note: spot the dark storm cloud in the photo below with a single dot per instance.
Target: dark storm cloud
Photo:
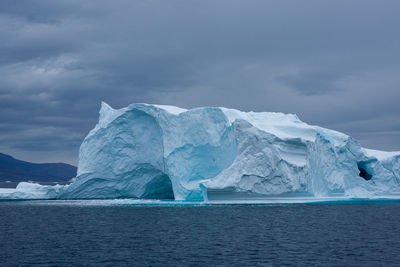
(334, 63)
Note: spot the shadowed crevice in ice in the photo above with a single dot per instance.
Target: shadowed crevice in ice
(159, 188)
(363, 172)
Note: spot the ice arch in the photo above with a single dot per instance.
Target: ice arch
(123, 160)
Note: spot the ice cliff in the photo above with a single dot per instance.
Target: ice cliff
(165, 152)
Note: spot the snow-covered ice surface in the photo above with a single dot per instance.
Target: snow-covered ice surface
(220, 155)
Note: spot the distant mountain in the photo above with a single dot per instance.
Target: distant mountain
(15, 170)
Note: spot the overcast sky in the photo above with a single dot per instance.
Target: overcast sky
(333, 63)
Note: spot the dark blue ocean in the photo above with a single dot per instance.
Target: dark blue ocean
(224, 235)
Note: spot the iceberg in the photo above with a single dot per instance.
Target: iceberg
(205, 154)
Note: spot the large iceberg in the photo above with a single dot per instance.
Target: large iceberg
(203, 154)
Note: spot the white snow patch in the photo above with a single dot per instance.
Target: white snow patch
(380, 155)
(172, 109)
(280, 124)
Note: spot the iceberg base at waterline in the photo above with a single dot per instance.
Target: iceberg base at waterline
(212, 154)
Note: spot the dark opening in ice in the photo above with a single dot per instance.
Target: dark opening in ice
(159, 188)
(363, 172)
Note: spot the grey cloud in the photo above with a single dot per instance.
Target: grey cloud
(313, 83)
(334, 63)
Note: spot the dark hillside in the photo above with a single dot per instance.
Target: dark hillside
(15, 170)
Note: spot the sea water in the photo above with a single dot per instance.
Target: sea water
(115, 233)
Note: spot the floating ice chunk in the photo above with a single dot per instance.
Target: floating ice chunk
(27, 190)
(163, 152)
